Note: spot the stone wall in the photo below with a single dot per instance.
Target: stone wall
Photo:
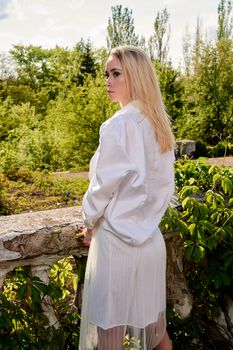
(185, 147)
(40, 239)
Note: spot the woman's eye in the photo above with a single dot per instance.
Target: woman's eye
(116, 74)
(106, 75)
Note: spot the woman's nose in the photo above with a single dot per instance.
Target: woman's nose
(107, 81)
(108, 84)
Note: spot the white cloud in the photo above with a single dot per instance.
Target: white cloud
(3, 9)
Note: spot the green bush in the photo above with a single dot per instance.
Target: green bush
(23, 324)
(204, 222)
(23, 190)
(222, 149)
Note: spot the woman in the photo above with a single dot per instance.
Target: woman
(131, 184)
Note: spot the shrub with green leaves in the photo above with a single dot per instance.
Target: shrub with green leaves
(23, 324)
(23, 190)
(204, 221)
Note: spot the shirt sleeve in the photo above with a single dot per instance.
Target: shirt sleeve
(112, 166)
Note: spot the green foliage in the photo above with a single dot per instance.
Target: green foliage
(32, 65)
(206, 113)
(87, 61)
(225, 21)
(221, 149)
(76, 136)
(131, 343)
(65, 138)
(171, 88)
(121, 28)
(52, 102)
(63, 278)
(204, 221)
(158, 42)
(23, 324)
(207, 101)
(23, 190)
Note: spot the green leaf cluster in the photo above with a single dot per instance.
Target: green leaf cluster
(23, 324)
(204, 221)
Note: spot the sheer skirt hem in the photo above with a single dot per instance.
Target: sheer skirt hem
(124, 337)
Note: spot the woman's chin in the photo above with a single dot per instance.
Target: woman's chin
(113, 99)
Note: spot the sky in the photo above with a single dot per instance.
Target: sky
(64, 22)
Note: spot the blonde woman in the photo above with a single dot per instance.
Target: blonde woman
(131, 184)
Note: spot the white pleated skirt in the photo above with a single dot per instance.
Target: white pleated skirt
(124, 296)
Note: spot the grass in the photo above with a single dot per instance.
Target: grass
(26, 191)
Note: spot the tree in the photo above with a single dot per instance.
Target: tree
(32, 65)
(75, 136)
(225, 21)
(121, 28)
(187, 55)
(197, 46)
(158, 42)
(86, 59)
(6, 68)
(207, 109)
(171, 88)
(207, 114)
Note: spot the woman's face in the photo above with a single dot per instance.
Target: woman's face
(115, 81)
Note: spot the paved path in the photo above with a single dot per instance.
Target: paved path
(221, 161)
(71, 175)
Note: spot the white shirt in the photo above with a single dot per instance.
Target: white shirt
(131, 181)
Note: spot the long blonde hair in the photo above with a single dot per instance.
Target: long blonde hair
(142, 86)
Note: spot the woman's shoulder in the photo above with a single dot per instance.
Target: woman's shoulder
(110, 124)
(124, 121)
(127, 114)
(130, 113)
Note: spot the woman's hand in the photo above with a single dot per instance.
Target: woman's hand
(85, 234)
(88, 233)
